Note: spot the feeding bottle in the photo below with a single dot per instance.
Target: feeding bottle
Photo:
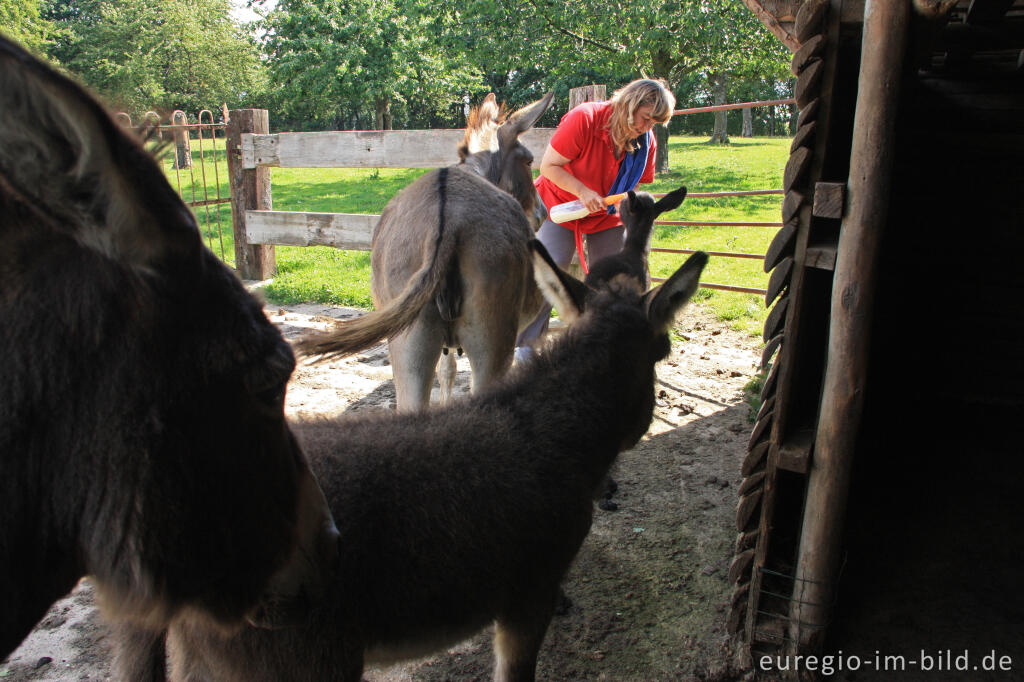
(574, 210)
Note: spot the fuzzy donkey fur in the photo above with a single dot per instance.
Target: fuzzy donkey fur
(142, 430)
(451, 266)
(455, 518)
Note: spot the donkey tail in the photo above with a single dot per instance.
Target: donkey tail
(353, 336)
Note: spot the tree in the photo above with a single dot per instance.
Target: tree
(22, 21)
(159, 54)
(673, 39)
(336, 59)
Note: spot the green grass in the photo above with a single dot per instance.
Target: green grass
(746, 164)
(343, 277)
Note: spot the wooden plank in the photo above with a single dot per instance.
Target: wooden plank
(853, 293)
(369, 148)
(821, 257)
(804, 136)
(774, 323)
(781, 246)
(779, 279)
(807, 89)
(795, 452)
(754, 459)
(796, 168)
(810, 50)
(810, 19)
(293, 228)
(828, 199)
(808, 114)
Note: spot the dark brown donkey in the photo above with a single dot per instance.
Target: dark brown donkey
(451, 267)
(142, 431)
(455, 518)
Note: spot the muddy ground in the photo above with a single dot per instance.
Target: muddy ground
(649, 588)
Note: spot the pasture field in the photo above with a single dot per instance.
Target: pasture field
(327, 275)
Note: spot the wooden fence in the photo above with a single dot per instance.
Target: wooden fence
(258, 228)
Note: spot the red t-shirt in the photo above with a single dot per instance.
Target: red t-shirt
(582, 137)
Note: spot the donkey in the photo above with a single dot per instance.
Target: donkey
(451, 266)
(142, 430)
(469, 514)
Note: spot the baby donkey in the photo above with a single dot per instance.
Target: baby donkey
(458, 517)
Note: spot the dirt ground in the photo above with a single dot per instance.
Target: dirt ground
(648, 591)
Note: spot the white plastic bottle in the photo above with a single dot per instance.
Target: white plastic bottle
(574, 210)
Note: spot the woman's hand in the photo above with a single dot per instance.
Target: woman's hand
(592, 200)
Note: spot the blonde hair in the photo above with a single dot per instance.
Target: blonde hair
(626, 100)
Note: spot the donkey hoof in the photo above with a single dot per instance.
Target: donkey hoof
(608, 505)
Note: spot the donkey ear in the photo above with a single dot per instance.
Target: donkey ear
(671, 201)
(522, 120)
(664, 302)
(61, 151)
(562, 290)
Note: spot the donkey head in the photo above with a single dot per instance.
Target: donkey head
(611, 316)
(141, 419)
(491, 147)
(638, 211)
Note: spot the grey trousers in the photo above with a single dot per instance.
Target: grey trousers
(561, 244)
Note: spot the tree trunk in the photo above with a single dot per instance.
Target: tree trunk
(721, 133)
(661, 158)
(748, 122)
(771, 121)
(382, 115)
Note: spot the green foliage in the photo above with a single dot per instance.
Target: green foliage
(357, 63)
(752, 392)
(747, 164)
(22, 21)
(158, 54)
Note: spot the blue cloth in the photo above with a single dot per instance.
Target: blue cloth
(632, 168)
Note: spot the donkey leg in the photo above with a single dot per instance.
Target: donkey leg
(140, 654)
(414, 355)
(489, 341)
(446, 370)
(517, 642)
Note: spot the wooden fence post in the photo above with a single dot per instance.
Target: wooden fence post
(250, 191)
(182, 145)
(588, 93)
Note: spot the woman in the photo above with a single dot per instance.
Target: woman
(598, 149)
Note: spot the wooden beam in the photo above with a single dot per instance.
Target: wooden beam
(250, 189)
(828, 199)
(871, 160)
(369, 148)
(772, 23)
(294, 228)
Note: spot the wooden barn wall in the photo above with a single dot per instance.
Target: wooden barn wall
(934, 535)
